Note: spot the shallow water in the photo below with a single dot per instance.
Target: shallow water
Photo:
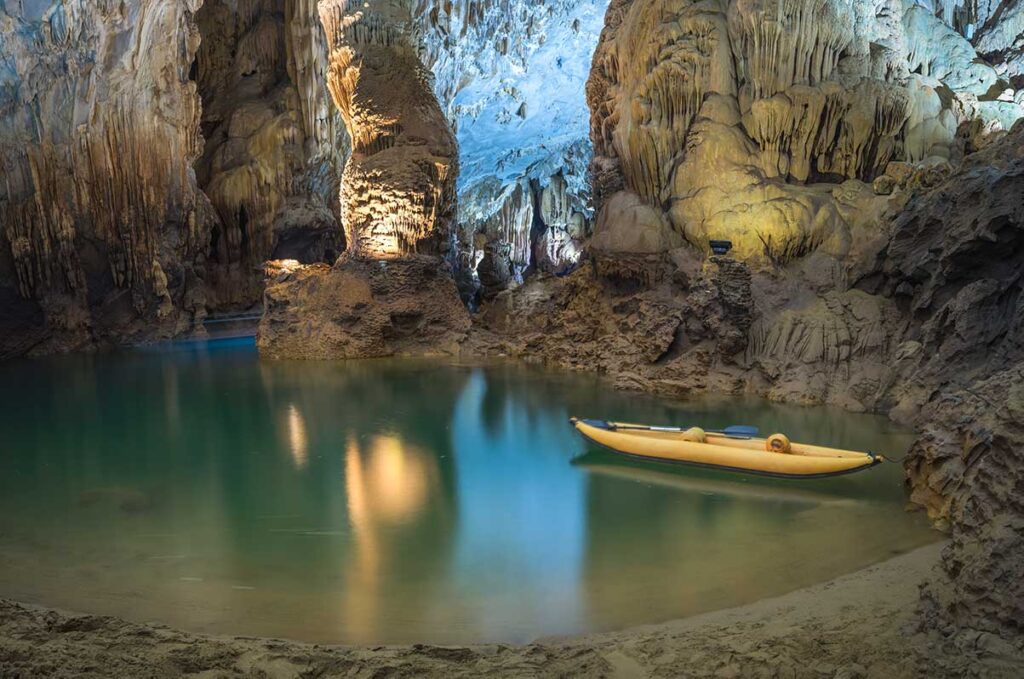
(378, 502)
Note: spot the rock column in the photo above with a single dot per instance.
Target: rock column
(398, 188)
(391, 293)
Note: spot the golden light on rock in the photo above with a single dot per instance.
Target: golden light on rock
(398, 188)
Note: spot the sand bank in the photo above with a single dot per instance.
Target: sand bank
(858, 625)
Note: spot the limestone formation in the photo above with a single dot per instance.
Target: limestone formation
(361, 309)
(392, 292)
(534, 228)
(509, 76)
(155, 154)
(637, 317)
(398, 188)
(100, 217)
(737, 119)
(954, 263)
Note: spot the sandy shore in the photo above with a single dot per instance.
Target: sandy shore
(859, 625)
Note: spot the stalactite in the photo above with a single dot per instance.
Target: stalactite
(276, 145)
(870, 133)
(646, 88)
(120, 190)
(779, 43)
(98, 203)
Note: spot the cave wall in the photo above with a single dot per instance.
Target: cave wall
(102, 228)
(155, 154)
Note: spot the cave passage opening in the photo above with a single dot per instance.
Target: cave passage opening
(514, 88)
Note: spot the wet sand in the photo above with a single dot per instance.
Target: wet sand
(858, 625)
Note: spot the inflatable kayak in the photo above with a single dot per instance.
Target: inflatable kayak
(772, 456)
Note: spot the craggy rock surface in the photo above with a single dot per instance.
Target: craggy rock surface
(734, 119)
(639, 318)
(154, 153)
(856, 626)
(274, 144)
(102, 227)
(966, 468)
(955, 265)
(362, 309)
(391, 293)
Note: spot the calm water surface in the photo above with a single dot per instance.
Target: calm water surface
(373, 502)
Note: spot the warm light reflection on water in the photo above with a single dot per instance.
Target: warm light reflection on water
(386, 484)
(390, 480)
(297, 443)
(401, 501)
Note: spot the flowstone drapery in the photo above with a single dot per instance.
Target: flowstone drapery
(739, 120)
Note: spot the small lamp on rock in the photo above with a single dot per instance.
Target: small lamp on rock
(720, 247)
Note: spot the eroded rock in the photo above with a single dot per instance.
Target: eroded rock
(733, 118)
(361, 309)
(398, 188)
(275, 145)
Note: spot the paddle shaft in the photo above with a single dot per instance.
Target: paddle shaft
(739, 431)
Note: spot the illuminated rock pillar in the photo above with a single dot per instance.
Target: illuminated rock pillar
(397, 204)
(398, 188)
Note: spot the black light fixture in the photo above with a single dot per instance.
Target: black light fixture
(720, 247)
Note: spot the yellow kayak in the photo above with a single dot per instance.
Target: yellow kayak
(772, 456)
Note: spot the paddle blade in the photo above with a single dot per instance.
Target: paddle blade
(740, 430)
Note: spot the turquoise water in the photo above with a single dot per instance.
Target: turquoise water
(378, 502)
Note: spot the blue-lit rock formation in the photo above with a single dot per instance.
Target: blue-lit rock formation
(511, 76)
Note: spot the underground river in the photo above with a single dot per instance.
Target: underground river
(400, 501)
